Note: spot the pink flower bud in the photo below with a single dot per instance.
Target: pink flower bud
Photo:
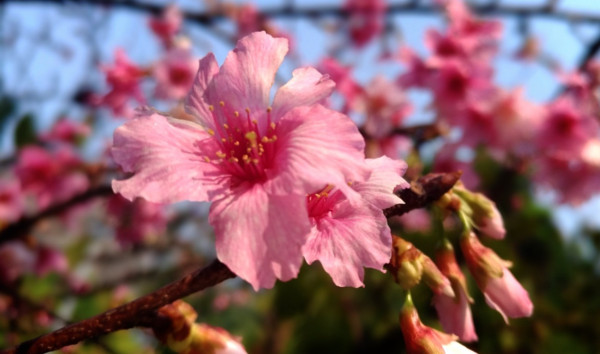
(483, 212)
(423, 339)
(409, 266)
(502, 291)
(454, 312)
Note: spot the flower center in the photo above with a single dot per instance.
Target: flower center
(320, 204)
(244, 152)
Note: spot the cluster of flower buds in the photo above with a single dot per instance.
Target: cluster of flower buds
(181, 334)
(444, 277)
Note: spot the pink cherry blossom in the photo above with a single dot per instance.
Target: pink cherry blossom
(384, 105)
(366, 19)
(256, 162)
(565, 130)
(167, 25)
(50, 260)
(346, 236)
(137, 220)
(50, 177)
(420, 338)
(175, 74)
(123, 79)
(66, 131)
(502, 291)
(342, 76)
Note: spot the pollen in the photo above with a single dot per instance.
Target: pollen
(236, 114)
(206, 158)
(211, 107)
(210, 131)
(225, 125)
(221, 103)
(273, 125)
(220, 154)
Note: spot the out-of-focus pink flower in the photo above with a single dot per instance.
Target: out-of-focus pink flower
(573, 180)
(396, 147)
(419, 338)
(167, 25)
(446, 160)
(384, 105)
(175, 74)
(565, 130)
(256, 162)
(418, 72)
(502, 291)
(50, 177)
(137, 220)
(11, 201)
(66, 131)
(454, 312)
(123, 79)
(366, 19)
(249, 19)
(345, 236)
(50, 260)
(417, 220)
(342, 76)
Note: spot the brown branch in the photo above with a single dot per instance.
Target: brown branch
(142, 312)
(423, 192)
(132, 314)
(23, 226)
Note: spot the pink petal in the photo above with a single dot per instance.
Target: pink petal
(350, 238)
(386, 176)
(246, 76)
(195, 104)
(507, 296)
(259, 236)
(307, 87)
(316, 147)
(455, 314)
(166, 157)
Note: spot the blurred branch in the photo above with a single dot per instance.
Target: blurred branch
(412, 7)
(132, 314)
(24, 225)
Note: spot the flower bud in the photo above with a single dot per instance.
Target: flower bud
(182, 335)
(502, 291)
(454, 312)
(409, 266)
(483, 212)
(423, 339)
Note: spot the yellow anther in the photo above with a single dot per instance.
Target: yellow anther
(236, 143)
(211, 107)
(274, 137)
(265, 139)
(220, 154)
(245, 158)
(255, 160)
(269, 109)
(225, 125)
(350, 183)
(224, 140)
(248, 149)
(221, 103)
(254, 122)
(273, 125)
(247, 110)
(206, 158)
(210, 131)
(236, 113)
(233, 159)
(251, 136)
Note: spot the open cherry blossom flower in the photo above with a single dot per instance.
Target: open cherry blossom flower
(256, 162)
(345, 236)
